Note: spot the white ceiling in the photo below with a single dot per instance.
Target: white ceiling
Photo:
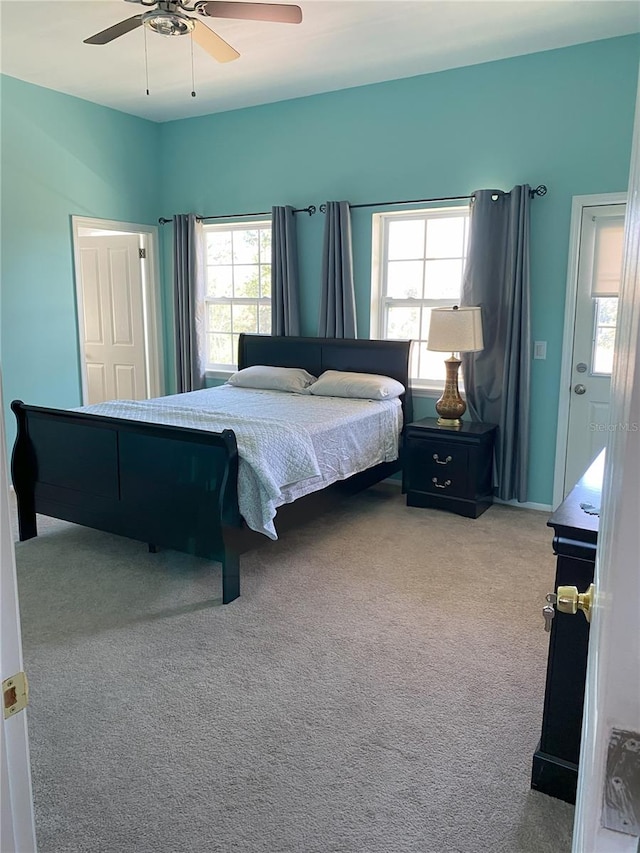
(340, 43)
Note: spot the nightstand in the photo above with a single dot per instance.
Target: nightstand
(449, 467)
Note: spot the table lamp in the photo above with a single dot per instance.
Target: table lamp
(454, 330)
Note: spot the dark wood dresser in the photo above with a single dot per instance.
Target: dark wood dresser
(555, 761)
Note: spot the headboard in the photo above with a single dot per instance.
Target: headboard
(390, 358)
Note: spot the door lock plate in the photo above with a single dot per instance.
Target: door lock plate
(621, 800)
(15, 692)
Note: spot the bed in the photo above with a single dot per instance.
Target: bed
(176, 486)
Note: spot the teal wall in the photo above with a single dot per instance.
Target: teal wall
(563, 118)
(61, 156)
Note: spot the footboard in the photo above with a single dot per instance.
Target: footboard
(164, 485)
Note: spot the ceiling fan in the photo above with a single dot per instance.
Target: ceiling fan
(169, 19)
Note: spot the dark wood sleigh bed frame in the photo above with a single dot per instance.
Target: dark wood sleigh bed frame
(171, 486)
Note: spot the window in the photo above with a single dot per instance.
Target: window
(238, 288)
(606, 315)
(608, 240)
(418, 264)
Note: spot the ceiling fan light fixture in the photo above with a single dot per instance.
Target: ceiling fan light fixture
(168, 23)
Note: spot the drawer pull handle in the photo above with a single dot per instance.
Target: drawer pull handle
(435, 482)
(440, 462)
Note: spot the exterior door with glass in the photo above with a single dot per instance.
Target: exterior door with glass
(599, 269)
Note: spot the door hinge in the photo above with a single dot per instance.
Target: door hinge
(142, 253)
(621, 801)
(15, 691)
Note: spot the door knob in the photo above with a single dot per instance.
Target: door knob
(580, 389)
(570, 600)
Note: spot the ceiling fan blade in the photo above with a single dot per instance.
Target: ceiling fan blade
(278, 12)
(115, 31)
(213, 43)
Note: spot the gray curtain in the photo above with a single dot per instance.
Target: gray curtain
(338, 300)
(188, 300)
(285, 283)
(497, 380)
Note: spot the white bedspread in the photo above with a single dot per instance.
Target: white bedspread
(288, 444)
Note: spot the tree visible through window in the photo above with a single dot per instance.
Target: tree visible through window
(420, 260)
(238, 288)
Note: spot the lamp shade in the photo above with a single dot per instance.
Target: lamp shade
(455, 330)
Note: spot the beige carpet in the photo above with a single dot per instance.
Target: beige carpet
(377, 688)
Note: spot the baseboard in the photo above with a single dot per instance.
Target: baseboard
(525, 505)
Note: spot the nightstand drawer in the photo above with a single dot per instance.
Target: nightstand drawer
(426, 479)
(429, 460)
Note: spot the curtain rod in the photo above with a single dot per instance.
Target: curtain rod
(310, 210)
(539, 190)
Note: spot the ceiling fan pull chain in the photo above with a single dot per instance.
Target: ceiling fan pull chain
(193, 79)
(146, 59)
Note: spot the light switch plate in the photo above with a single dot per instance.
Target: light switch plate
(540, 349)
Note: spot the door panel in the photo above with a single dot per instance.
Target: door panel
(96, 383)
(599, 271)
(114, 331)
(91, 296)
(123, 296)
(125, 381)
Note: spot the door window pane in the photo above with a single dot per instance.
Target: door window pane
(605, 333)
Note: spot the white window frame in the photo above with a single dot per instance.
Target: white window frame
(379, 262)
(223, 371)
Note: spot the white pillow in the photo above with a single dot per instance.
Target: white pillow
(292, 379)
(365, 386)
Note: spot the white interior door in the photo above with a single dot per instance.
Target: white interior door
(608, 802)
(17, 831)
(599, 269)
(112, 318)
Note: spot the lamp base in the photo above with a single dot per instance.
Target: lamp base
(450, 407)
